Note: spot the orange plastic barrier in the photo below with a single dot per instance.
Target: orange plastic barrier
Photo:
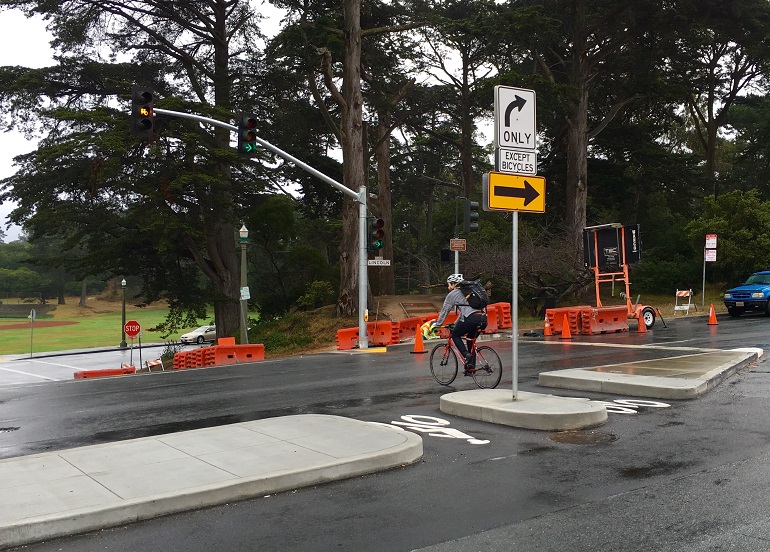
(599, 320)
(180, 360)
(224, 356)
(492, 320)
(194, 358)
(232, 354)
(226, 341)
(504, 320)
(347, 338)
(106, 372)
(574, 318)
(380, 332)
(395, 333)
(408, 328)
(209, 356)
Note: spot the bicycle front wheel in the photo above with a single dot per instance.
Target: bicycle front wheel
(489, 369)
(443, 364)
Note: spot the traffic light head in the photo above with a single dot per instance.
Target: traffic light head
(247, 134)
(377, 235)
(471, 216)
(142, 112)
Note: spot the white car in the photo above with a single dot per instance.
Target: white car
(199, 335)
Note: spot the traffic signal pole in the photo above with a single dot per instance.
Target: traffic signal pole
(360, 198)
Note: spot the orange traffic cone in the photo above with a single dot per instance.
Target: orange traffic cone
(712, 316)
(419, 347)
(547, 327)
(565, 333)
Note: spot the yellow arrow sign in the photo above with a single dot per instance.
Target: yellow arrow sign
(512, 192)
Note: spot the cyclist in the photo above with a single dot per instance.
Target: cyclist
(469, 322)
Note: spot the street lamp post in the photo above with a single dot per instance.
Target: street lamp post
(123, 343)
(244, 234)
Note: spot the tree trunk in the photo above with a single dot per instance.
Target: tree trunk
(577, 134)
(577, 172)
(83, 294)
(220, 263)
(351, 108)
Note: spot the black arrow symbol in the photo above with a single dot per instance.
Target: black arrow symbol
(518, 102)
(528, 193)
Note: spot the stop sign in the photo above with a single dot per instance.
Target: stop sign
(132, 328)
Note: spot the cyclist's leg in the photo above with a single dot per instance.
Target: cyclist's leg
(479, 322)
(460, 329)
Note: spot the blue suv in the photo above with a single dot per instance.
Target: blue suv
(754, 294)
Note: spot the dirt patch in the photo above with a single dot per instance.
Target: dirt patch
(399, 307)
(38, 324)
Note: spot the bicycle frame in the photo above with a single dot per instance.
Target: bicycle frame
(445, 359)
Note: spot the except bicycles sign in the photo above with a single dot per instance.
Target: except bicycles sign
(132, 328)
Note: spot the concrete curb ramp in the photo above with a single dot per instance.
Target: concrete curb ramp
(528, 411)
(61, 493)
(684, 377)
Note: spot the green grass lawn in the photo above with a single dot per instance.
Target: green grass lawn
(101, 329)
(100, 324)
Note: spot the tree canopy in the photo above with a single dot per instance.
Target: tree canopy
(650, 112)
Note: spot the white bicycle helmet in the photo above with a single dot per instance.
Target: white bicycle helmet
(454, 279)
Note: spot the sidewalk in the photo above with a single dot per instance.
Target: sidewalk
(72, 491)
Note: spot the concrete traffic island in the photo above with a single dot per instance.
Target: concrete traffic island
(528, 411)
(683, 377)
(61, 493)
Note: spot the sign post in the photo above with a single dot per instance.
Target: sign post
(710, 255)
(132, 329)
(515, 154)
(31, 317)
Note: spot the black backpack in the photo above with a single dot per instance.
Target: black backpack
(474, 293)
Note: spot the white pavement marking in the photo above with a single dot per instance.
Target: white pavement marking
(27, 374)
(55, 364)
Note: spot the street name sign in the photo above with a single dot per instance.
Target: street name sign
(510, 192)
(378, 262)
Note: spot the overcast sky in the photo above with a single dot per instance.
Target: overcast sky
(15, 29)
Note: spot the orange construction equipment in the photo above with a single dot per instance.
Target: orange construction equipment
(565, 333)
(712, 316)
(641, 327)
(613, 247)
(419, 346)
(547, 327)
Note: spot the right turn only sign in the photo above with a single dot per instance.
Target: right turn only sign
(511, 192)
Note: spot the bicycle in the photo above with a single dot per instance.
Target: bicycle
(445, 359)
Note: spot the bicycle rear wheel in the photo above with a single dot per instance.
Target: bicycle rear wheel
(489, 369)
(443, 364)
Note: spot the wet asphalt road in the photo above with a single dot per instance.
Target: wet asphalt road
(649, 479)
